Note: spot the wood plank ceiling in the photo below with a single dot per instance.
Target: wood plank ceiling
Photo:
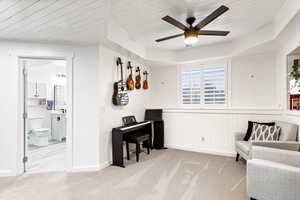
(80, 21)
(85, 21)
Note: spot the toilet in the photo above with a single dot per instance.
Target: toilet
(38, 132)
(39, 136)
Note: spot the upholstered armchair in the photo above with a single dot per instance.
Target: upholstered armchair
(288, 140)
(273, 174)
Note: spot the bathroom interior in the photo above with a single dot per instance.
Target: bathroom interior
(46, 115)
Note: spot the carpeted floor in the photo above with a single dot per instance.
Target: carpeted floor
(163, 175)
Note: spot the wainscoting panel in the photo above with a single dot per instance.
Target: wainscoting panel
(210, 131)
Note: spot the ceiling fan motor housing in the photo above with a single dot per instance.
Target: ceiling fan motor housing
(190, 20)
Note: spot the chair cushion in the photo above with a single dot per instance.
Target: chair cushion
(289, 131)
(244, 146)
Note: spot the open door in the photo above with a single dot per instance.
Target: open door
(45, 110)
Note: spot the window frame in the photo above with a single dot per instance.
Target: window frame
(227, 71)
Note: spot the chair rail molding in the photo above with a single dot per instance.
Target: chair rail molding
(233, 110)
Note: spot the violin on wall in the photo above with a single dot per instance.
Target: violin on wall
(145, 83)
(138, 78)
(130, 82)
(120, 97)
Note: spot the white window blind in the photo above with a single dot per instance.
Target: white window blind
(203, 86)
(214, 86)
(191, 86)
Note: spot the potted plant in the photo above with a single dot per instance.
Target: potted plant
(295, 73)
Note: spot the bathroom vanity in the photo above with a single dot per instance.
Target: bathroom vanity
(58, 126)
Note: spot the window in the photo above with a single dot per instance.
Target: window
(191, 86)
(204, 86)
(293, 70)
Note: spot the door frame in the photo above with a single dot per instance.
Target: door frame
(69, 58)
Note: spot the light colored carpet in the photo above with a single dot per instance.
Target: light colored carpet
(163, 175)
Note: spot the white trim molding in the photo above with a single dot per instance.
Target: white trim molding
(251, 111)
(5, 173)
(90, 168)
(203, 150)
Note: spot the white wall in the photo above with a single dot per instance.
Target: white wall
(209, 131)
(253, 97)
(111, 115)
(253, 81)
(85, 105)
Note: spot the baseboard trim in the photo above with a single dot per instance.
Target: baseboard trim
(91, 168)
(86, 168)
(202, 150)
(104, 165)
(5, 173)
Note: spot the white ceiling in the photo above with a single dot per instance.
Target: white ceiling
(84, 21)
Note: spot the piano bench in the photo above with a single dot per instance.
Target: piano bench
(137, 139)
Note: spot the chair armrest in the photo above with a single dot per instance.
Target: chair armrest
(285, 145)
(272, 180)
(276, 155)
(239, 136)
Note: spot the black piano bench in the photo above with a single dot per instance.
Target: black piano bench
(138, 139)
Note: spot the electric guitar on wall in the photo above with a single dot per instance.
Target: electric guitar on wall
(138, 78)
(145, 83)
(130, 82)
(120, 97)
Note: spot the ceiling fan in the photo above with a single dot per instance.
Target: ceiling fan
(191, 33)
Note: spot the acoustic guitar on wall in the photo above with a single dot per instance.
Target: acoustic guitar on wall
(138, 78)
(120, 97)
(130, 82)
(145, 83)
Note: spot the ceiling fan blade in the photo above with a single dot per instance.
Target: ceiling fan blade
(211, 17)
(214, 33)
(174, 22)
(170, 37)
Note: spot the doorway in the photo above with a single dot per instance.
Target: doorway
(45, 108)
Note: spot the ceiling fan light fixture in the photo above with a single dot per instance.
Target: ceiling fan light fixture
(191, 37)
